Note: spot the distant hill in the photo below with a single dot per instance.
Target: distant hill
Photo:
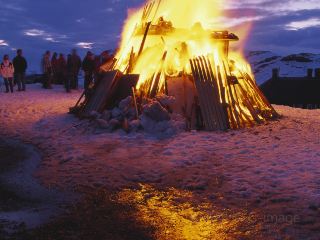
(294, 65)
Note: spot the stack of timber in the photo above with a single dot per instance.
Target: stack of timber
(106, 93)
(228, 100)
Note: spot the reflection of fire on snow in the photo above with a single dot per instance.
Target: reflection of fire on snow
(173, 216)
(168, 45)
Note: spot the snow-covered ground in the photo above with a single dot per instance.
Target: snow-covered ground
(294, 65)
(272, 170)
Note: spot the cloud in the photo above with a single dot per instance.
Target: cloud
(297, 25)
(4, 43)
(50, 37)
(80, 20)
(85, 45)
(110, 9)
(232, 22)
(34, 32)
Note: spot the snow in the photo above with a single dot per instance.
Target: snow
(263, 62)
(273, 168)
(44, 203)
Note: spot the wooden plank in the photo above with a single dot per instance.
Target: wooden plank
(121, 89)
(210, 94)
(229, 108)
(100, 93)
(211, 121)
(144, 38)
(221, 93)
(202, 101)
(221, 115)
(232, 99)
(155, 83)
(265, 100)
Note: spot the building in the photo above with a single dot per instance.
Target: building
(300, 92)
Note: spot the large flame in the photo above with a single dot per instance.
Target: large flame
(179, 31)
(183, 38)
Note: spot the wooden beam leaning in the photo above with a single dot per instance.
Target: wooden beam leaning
(208, 93)
(261, 95)
(210, 125)
(221, 118)
(220, 88)
(232, 99)
(144, 38)
(202, 100)
(227, 99)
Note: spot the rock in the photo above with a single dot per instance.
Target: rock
(116, 112)
(94, 115)
(166, 100)
(125, 104)
(106, 115)
(156, 112)
(134, 125)
(147, 123)
(162, 126)
(102, 123)
(114, 124)
(131, 114)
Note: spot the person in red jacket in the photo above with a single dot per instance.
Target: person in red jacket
(7, 71)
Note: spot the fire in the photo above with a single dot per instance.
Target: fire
(178, 28)
(174, 38)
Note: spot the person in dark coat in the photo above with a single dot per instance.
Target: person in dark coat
(62, 69)
(47, 70)
(55, 68)
(20, 66)
(69, 73)
(74, 65)
(88, 66)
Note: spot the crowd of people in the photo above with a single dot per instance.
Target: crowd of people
(56, 69)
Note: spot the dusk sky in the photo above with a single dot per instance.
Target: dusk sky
(286, 26)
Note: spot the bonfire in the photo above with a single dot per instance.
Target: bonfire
(169, 48)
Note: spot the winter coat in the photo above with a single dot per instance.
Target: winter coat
(54, 65)
(74, 64)
(7, 69)
(20, 64)
(88, 65)
(62, 65)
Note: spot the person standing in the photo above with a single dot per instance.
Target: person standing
(7, 71)
(74, 65)
(62, 73)
(47, 70)
(20, 66)
(55, 68)
(69, 74)
(62, 66)
(88, 66)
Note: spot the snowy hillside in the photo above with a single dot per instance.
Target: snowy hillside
(296, 65)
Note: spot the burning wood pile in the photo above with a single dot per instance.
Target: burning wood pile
(161, 54)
